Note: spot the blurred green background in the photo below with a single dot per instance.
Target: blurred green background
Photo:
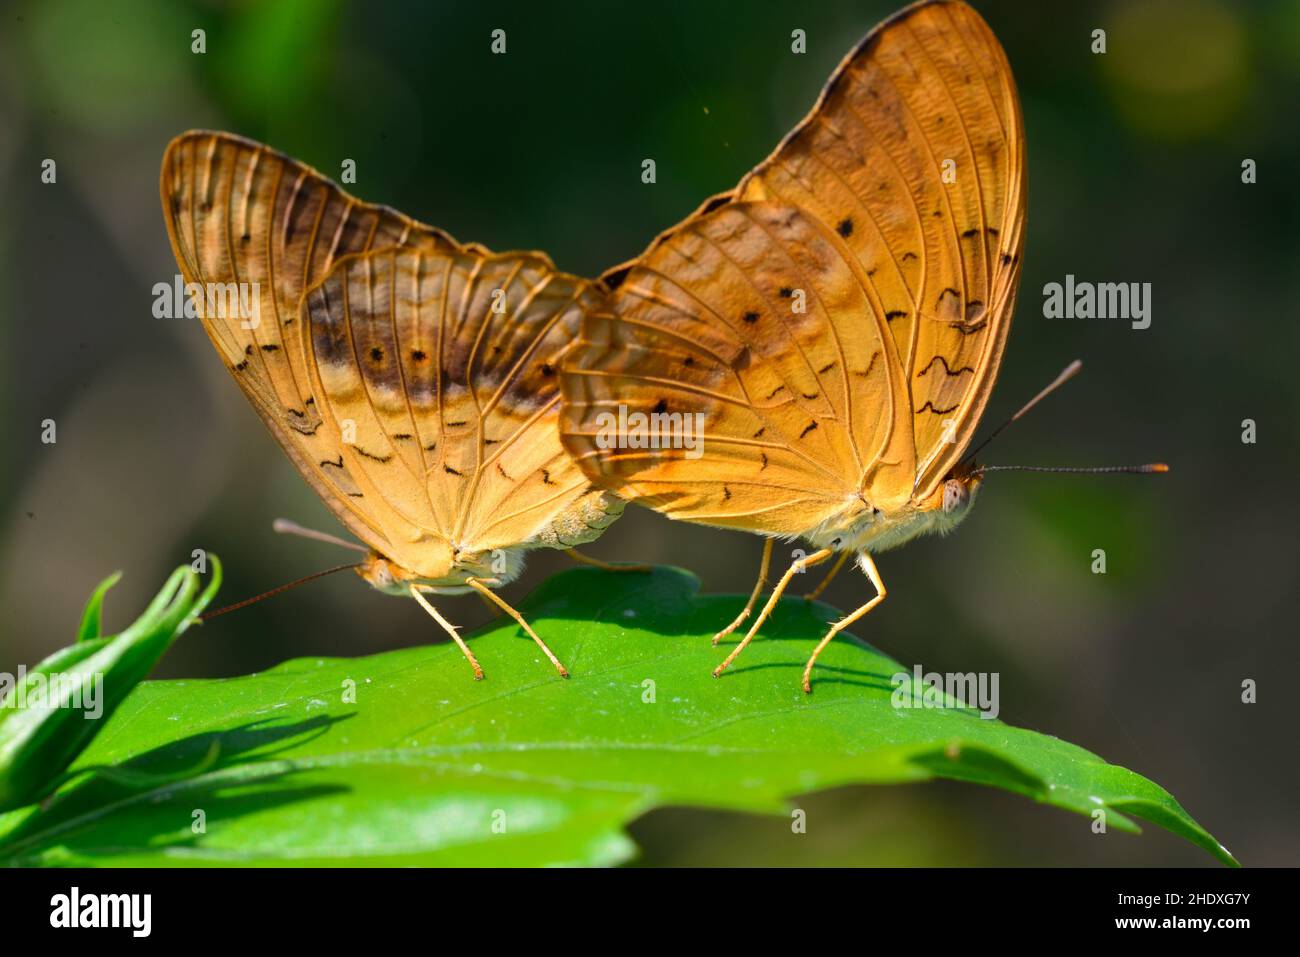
(1134, 176)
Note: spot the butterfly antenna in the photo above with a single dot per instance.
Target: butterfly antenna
(275, 591)
(1152, 468)
(286, 527)
(1068, 373)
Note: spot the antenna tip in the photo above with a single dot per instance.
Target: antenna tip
(1158, 467)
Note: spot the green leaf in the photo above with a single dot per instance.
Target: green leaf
(92, 618)
(58, 707)
(426, 766)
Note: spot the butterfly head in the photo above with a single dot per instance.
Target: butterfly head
(860, 526)
(941, 511)
(952, 500)
(959, 490)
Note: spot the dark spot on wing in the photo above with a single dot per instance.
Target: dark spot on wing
(612, 280)
(946, 367)
(870, 365)
(845, 227)
(371, 455)
(930, 406)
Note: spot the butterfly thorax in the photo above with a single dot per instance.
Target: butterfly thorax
(493, 568)
(861, 527)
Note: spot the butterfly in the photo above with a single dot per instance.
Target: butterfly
(412, 380)
(836, 320)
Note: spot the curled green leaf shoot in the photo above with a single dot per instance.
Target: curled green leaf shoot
(54, 711)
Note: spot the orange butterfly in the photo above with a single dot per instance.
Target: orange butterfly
(411, 379)
(836, 320)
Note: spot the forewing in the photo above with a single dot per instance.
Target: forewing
(914, 154)
(251, 230)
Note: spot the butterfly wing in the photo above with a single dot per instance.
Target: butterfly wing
(251, 230)
(907, 282)
(915, 154)
(731, 319)
(439, 367)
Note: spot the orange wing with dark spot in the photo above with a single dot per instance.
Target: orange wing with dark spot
(838, 318)
(439, 371)
(252, 230)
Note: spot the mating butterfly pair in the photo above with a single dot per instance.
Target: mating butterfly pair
(837, 319)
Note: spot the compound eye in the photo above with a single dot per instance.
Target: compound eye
(954, 496)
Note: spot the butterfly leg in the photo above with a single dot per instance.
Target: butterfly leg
(835, 570)
(501, 603)
(799, 565)
(582, 559)
(758, 590)
(450, 629)
(869, 567)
